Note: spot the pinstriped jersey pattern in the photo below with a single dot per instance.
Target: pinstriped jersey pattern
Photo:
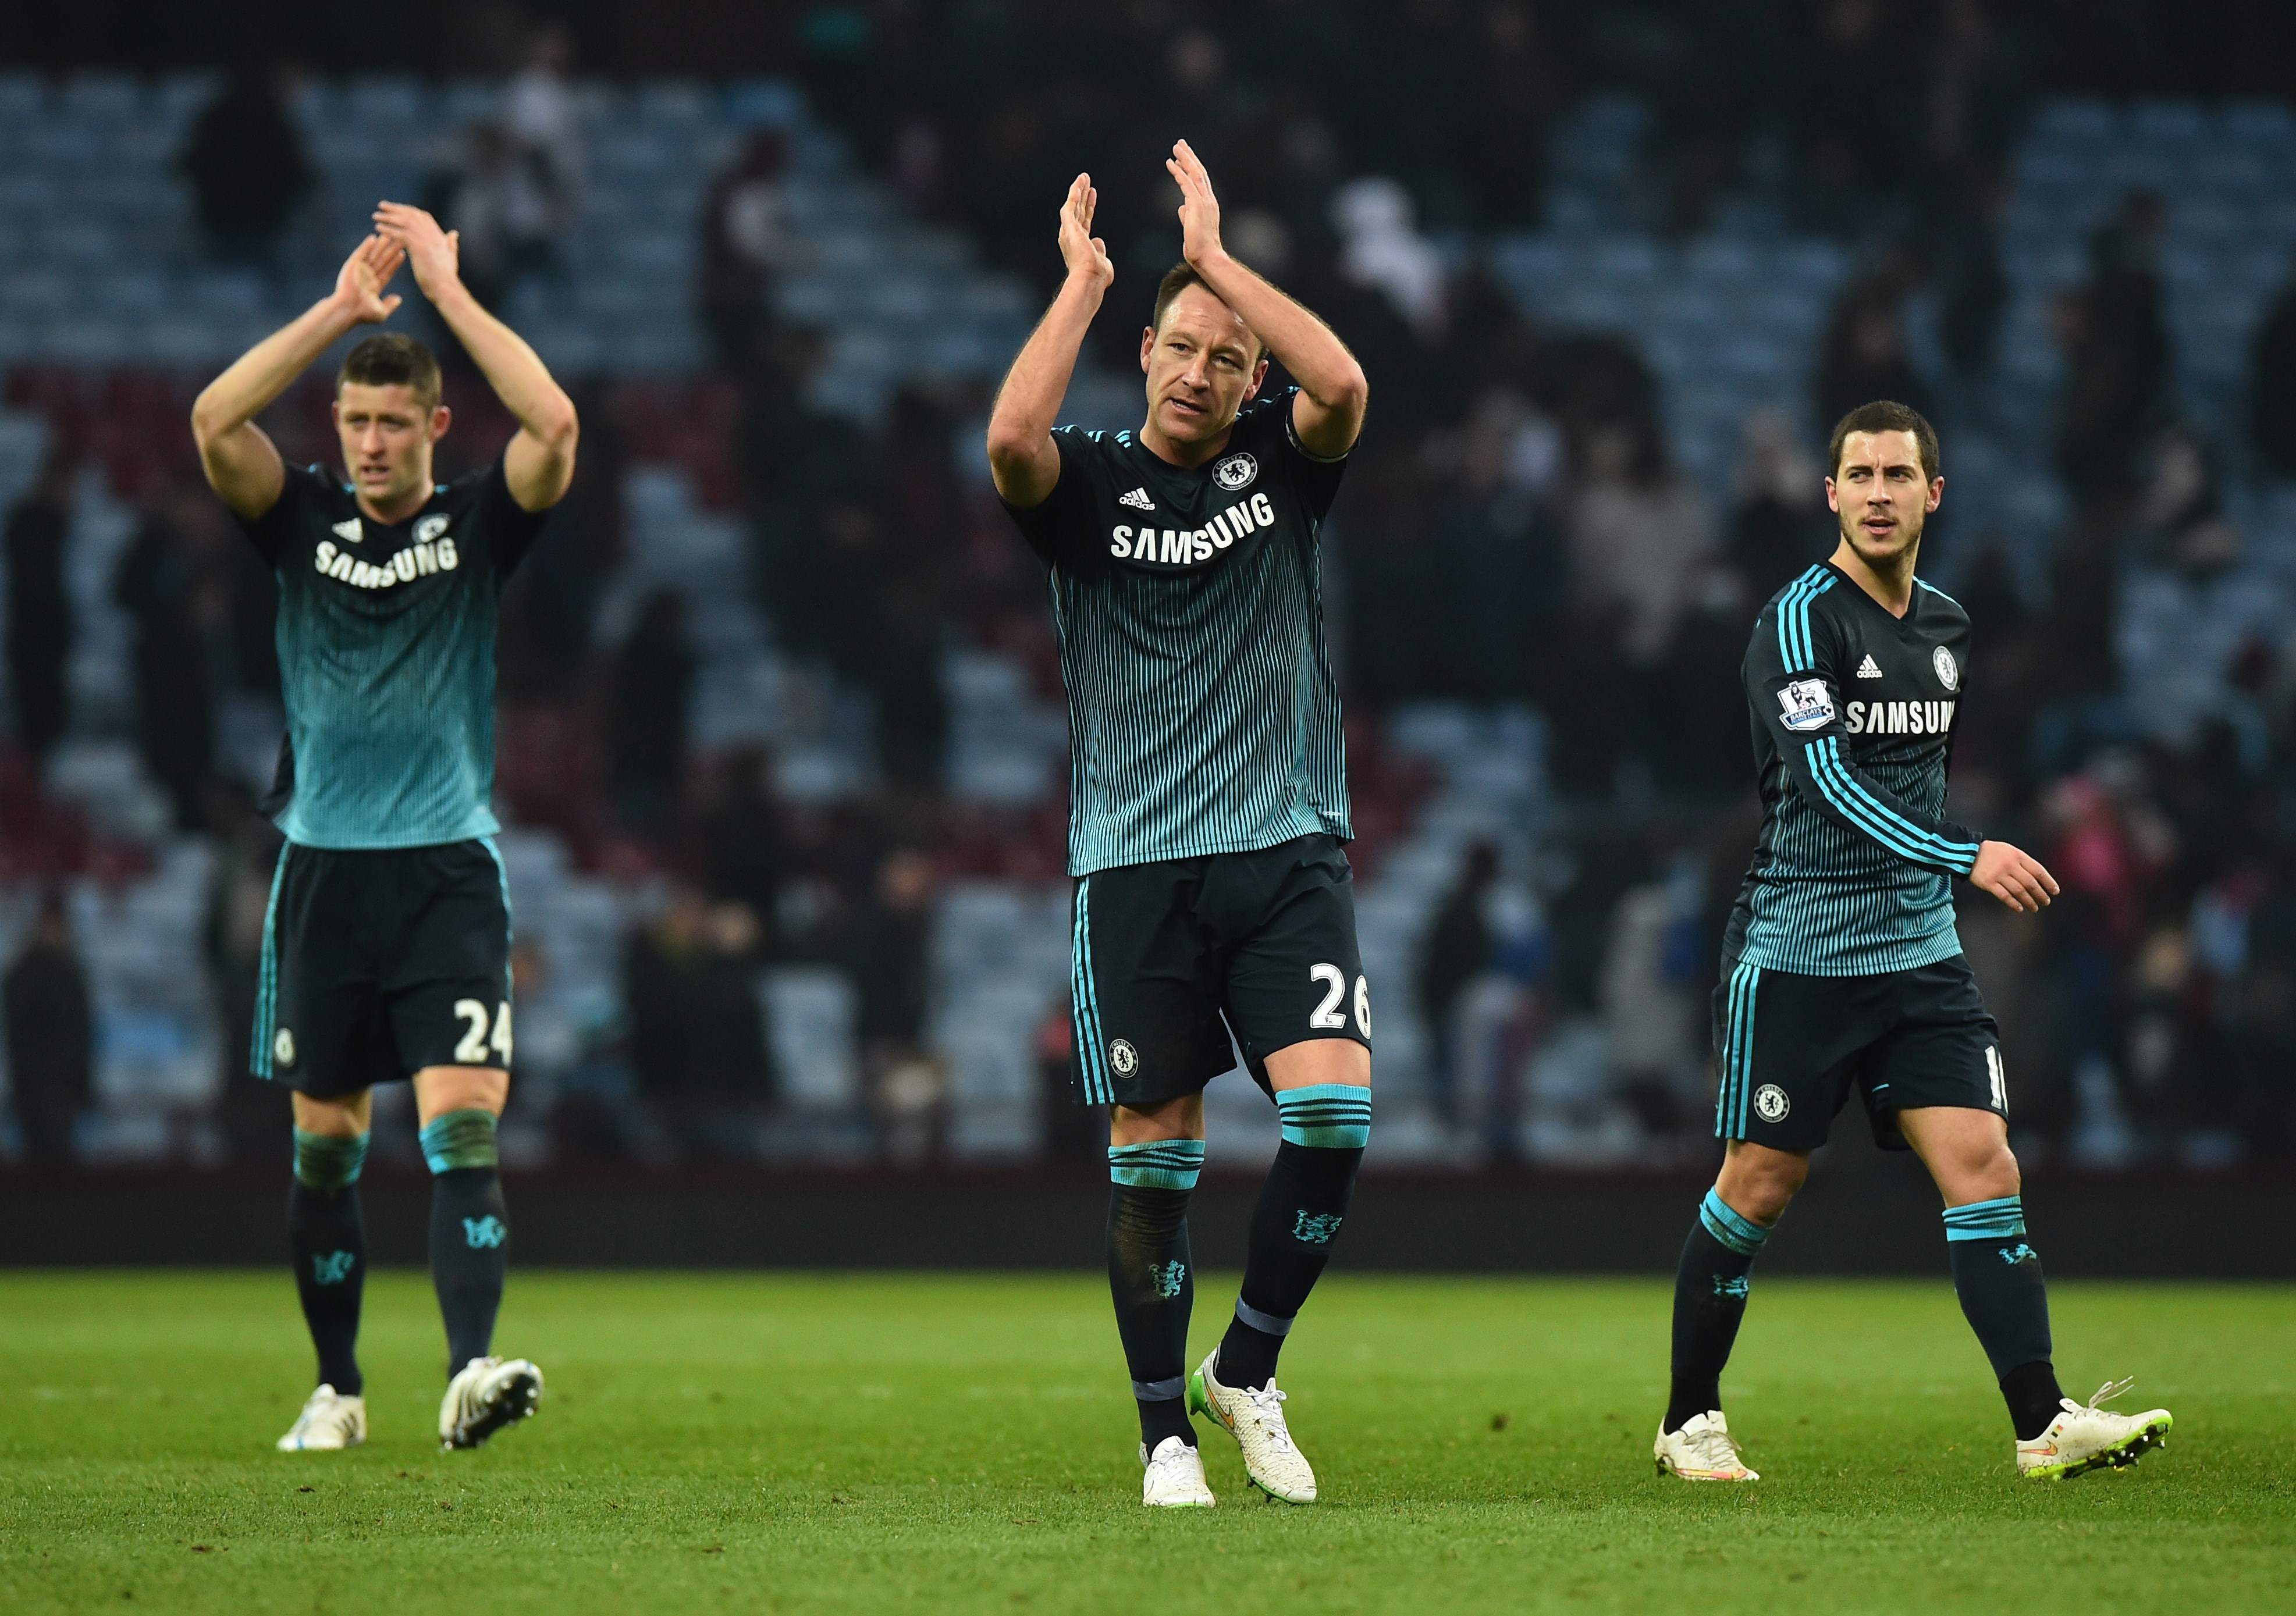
(386, 638)
(1203, 715)
(1864, 892)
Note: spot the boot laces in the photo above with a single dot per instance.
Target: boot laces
(1267, 1405)
(1714, 1448)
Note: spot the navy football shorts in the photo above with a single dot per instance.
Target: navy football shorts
(1169, 957)
(1791, 1049)
(378, 963)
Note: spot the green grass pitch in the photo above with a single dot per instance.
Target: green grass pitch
(965, 1444)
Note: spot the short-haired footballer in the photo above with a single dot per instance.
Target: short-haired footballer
(1842, 971)
(386, 948)
(1209, 802)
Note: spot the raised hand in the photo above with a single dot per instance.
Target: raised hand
(358, 287)
(435, 254)
(1200, 214)
(1085, 253)
(2015, 876)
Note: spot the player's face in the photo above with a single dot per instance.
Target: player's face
(1880, 495)
(387, 435)
(1203, 364)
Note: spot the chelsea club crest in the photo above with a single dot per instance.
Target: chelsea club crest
(1236, 472)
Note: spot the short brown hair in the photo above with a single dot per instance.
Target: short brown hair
(393, 359)
(1177, 280)
(1886, 415)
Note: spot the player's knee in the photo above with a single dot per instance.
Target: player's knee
(461, 1138)
(1176, 1119)
(329, 1162)
(1759, 1184)
(1988, 1175)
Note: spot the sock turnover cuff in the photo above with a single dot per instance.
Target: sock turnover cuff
(329, 1162)
(1995, 1220)
(459, 1139)
(1272, 1323)
(1328, 1116)
(1159, 1164)
(1740, 1233)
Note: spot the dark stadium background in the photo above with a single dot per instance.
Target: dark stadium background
(780, 741)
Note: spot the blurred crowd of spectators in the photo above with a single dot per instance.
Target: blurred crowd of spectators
(1515, 531)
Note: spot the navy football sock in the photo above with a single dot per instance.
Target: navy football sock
(469, 1230)
(1710, 1301)
(1998, 1275)
(1149, 1278)
(326, 1239)
(1325, 1128)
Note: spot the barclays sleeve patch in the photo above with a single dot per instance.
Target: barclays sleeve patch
(1807, 706)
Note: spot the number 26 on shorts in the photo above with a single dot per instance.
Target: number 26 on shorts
(1327, 1017)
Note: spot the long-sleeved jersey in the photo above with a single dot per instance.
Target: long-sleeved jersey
(1853, 715)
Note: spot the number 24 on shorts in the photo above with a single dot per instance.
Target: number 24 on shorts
(1328, 1013)
(477, 1048)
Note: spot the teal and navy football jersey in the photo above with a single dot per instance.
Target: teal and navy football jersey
(387, 659)
(1203, 717)
(1853, 718)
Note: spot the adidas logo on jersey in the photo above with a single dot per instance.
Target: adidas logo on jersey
(350, 530)
(1869, 668)
(1138, 498)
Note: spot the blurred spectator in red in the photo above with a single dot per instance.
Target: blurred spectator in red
(50, 1036)
(40, 629)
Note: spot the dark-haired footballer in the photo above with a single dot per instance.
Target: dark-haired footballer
(386, 949)
(1209, 801)
(1843, 971)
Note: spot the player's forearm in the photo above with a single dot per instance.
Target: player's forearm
(1028, 403)
(269, 369)
(1310, 350)
(1857, 803)
(511, 367)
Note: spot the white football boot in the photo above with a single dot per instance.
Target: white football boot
(489, 1393)
(1173, 1477)
(328, 1421)
(2088, 1437)
(1254, 1416)
(1701, 1450)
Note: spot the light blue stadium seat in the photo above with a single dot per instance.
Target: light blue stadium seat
(105, 98)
